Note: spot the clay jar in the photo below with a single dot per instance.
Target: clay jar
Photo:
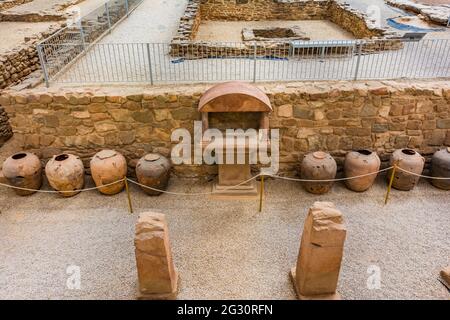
(23, 170)
(318, 166)
(409, 160)
(108, 166)
(153, 170)
(361, 162)
(65, 173)
(440, 167)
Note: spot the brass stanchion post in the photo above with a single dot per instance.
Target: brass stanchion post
(391, 180)
(261, 193)
(130, 206)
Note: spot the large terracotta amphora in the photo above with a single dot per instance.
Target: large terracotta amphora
(410, 161)
(23, 170)
(153, 170)
(108, 166)
(361, 163)
(65, 173)
(318, 166)
(440, 167)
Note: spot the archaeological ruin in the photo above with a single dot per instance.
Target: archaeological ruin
(240, 125)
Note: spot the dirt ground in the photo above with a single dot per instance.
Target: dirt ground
(433, 2)
(222, 249)
(13, 33)
(231, 31)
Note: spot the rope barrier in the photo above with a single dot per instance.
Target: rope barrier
(191, 194)
(421, 175)
(62, 191)
(331, 180)
(227, 188)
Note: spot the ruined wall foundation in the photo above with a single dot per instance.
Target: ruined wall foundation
(334, 117)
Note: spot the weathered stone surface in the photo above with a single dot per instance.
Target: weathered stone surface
(321, 250)
(445, 276)
(157, 276)
(285, 111)
(310, 117)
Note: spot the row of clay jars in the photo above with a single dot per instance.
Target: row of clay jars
(65, 172)
(322, 166)
(109, 166)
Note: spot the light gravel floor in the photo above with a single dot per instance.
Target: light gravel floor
(231, 31)
(222, 249)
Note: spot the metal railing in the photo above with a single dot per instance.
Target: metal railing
(262, 61)
(63, 47)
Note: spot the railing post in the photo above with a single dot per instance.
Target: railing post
(43, 65)
(149, 63)
(127, 7)
(358, 61)
(82, 36)
(254, 62)
(109, 17)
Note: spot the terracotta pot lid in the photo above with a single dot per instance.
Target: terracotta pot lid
(319, 155)
(105, 154)
(152, 157)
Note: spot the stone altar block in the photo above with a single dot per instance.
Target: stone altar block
(316, 274)
(157, 276)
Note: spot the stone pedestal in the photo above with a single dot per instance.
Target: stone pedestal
(157, 276)
(317, 271)
(231, 176)
(445, 277)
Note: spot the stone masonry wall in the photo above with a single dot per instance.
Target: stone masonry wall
(333, 116)
(19, 62)
(8, 4)
(235, 10)
(5, 128)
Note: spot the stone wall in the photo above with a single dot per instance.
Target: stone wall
(17, 63)
(355, 22)
(5, 128)
(8, 4)
(332, 116)
(250, 10)
(352, 21)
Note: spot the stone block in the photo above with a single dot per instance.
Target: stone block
(445, 276)
(302, 112)
(285, 111)
(157, 276)
(317, 271)
(443, 123)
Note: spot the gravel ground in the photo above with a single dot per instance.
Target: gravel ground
(231, 31)
(222, 249)
(13, 34)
